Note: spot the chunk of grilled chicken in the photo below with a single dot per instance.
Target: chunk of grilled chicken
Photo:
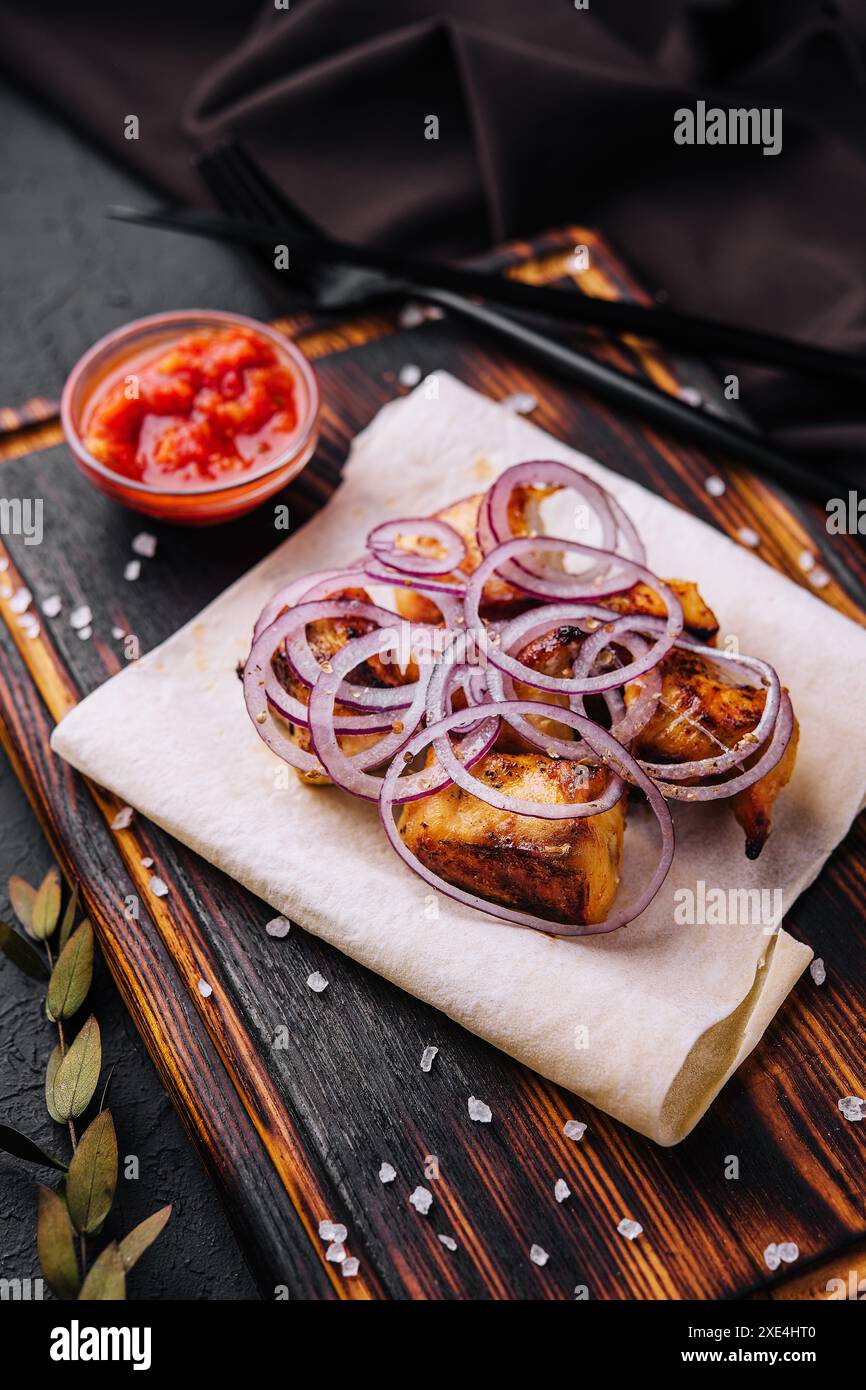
(501, 599)
(326, 637)
(567, 870)
(697, 716)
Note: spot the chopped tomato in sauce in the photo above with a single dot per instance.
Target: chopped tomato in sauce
(216, 403)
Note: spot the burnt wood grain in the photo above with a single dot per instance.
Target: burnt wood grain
(295, 1099)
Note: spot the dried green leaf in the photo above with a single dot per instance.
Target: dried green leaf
(107, 1279)
(92, 1175)
(11, 1142)
(133, 1246)
(72, 975)
(68, 918)
(78, 1073)
(46, 905)
(55, 1239)
(22, 896)
(18, 949)
(50, 1076)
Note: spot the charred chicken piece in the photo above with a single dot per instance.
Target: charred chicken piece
(567, 870)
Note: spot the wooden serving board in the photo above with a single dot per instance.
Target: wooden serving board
(293, 1108)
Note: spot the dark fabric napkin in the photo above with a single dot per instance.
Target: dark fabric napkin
(547, 114)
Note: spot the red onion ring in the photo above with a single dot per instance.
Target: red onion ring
(382, 540)
(308, 669)
(290, 593)
(605, 747)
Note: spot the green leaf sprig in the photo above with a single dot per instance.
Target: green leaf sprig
(70, 1215)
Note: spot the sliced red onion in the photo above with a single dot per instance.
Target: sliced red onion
(256, 672)
(309, 670)
(606, 748)
(626, 721)
(291, 593)
(772, 754)
(546, 473)
(423, 584)
(383, 543)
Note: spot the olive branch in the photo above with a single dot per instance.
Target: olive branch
(69, 1215)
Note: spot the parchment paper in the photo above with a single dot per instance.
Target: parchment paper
(648, 1023)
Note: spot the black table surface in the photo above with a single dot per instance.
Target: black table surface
(70, 275)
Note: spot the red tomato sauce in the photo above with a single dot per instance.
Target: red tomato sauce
(216, 403)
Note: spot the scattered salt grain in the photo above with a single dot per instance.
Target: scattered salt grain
(387, 1173)
(852, 1107)
(449, 1242)
(85, 633)
(746, 536)
(326, 1230)
(715, 485)
(132, 569)
(630, 1229)
(118, 633)
(409, 375)
(81, 617)
(411, 316)
(144, 544)
(350, 1268)
(29, 625)
(818, 578)
(316, 982)
(479, 1111)
(4, 564)
(427, 1058)
(122, 819)
(51, 605)
(561, 1190)
(422, 1200)
(574, 1129)
(806, 561)
(772, 1259)
(147, 862)
(789, 1252)
(20, 600)
(204, 989)
(520, 403)
(538, 1255)
(690, 395)
(278, 926)
(158, 887)
(817, 971)
(336, 1253)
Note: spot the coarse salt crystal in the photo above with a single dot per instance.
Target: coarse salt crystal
(326, 1230)
(630, 1229)
(449, 1242)
(479, 1111)
(538, 1255)
(85, 633)
(81, 616)
(819, 578)
(789, 1252)
(51, 605)
(158, 887)
(748, 537)
(690, 395)
(520, 403)
(806, 561)
(144, 544)
(422, 1200)
(29, 624)
(561, 1190)
(316, 982)
(411, 316)
(132, 569)
(817, 971)
(852, 1107)
(350, 1268)
(204, 989)
(117, 633)
(387, 1173)
(123, 818)
(20, 600)
(147, 862)
(715, 485)
(427, 1058)
(574, 1129)
(409, 375)
(772, 1258)
(278, 926)
(336, 1253)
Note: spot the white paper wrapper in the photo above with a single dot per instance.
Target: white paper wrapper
(648, 1023)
